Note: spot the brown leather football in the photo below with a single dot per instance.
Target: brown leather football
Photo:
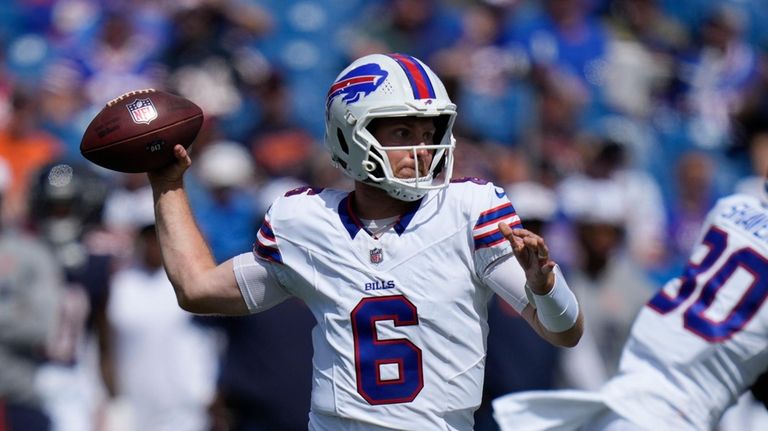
(137, 131)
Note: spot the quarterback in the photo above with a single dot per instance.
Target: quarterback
(397, 272)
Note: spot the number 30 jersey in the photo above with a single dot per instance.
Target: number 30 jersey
(401, 320)
(703, 339)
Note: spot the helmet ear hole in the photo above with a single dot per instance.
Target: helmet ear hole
(342, 141)
(344, 149)
(441, 127)
(440, 165)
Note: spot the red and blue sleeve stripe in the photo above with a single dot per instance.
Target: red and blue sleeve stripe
(486, 233)
(495, 215)
(268, 253)
(489, 239)
(265, 246)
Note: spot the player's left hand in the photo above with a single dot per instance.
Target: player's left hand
(533, 255)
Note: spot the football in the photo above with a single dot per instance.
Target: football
(137, 131)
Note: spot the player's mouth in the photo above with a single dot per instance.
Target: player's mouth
(409, 171)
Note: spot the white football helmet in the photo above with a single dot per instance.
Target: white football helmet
(393, 85)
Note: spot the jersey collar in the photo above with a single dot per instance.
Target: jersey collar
(353, 225)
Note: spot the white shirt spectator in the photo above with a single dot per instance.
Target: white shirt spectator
(165, 363)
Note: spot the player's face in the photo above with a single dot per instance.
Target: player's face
(406, 131)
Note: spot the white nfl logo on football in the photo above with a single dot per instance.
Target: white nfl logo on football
(142, 111)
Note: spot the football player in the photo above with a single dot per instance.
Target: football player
(397, 273)
(696, 347)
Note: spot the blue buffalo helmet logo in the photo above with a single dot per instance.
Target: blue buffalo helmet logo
(359, 82)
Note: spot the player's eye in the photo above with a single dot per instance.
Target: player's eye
(402, 132)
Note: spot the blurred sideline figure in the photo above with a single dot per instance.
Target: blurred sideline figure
(696, 347)
(125, 208)
(30, 291)
(694, 194)
(26, 149)
(161, 366)
(265, 374)
(224, 203)
(603, 207)
(65, 212)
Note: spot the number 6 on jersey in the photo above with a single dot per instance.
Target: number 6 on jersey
(388, 371)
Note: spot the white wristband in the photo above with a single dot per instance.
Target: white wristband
(558, 309)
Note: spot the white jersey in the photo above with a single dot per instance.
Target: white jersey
(703, 339)
(401, 320)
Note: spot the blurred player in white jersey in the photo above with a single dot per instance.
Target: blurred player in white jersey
(397, 273)
(695, 348)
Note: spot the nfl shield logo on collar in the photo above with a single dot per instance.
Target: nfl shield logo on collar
(377, 255)
(142, 111)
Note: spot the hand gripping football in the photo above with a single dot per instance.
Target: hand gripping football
(137, 131)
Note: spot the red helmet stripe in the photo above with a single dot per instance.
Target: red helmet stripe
(420, 83)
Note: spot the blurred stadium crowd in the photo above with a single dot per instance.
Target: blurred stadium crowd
(614, 125)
